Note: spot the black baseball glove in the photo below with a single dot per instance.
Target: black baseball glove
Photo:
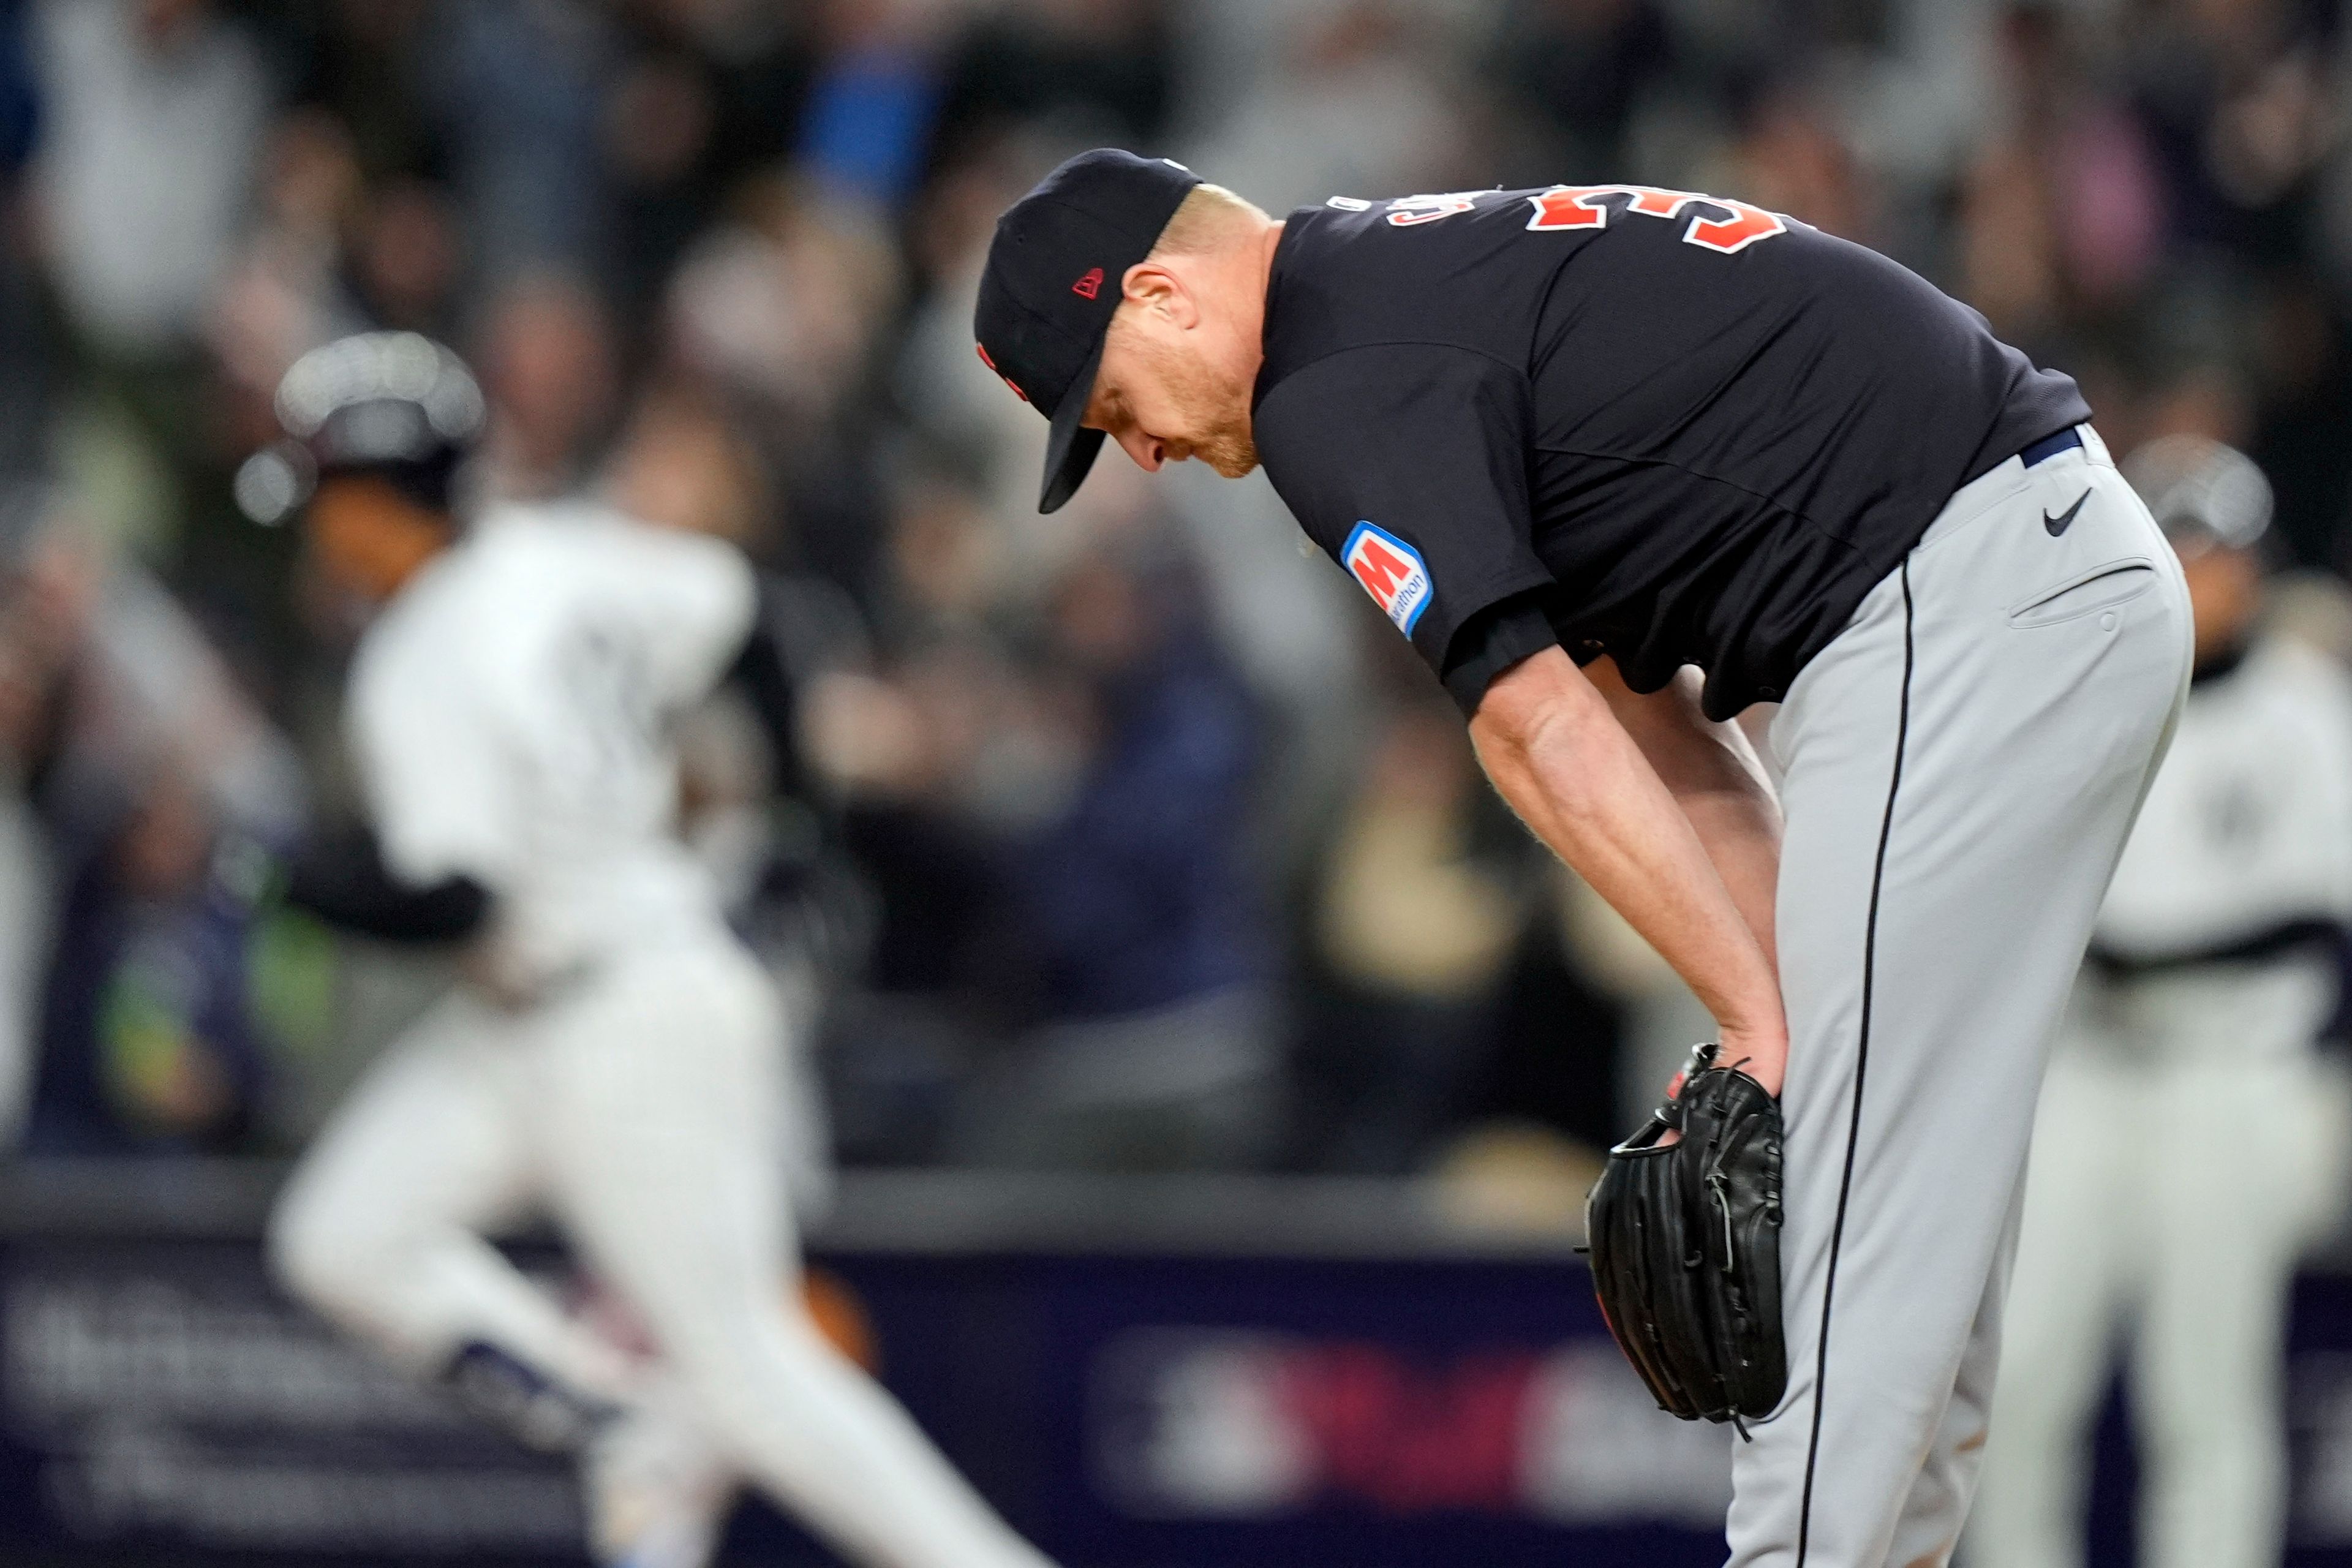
(1685, 1248)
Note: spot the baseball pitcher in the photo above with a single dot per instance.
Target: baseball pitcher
(1621, 462)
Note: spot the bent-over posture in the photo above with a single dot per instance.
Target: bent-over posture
(1621, 462)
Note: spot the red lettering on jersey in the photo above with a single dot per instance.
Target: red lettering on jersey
(1580, 207)
(1569, 206)
(1743, 228)
(1655, 202)
(1089, 285)
(1380, 569)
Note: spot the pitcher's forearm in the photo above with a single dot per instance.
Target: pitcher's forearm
(1741, 832)
(1712, 770)
(1581, 783)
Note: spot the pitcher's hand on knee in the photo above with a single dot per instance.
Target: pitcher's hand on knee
(1764, 1060)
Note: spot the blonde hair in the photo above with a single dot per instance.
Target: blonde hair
(1209, 218)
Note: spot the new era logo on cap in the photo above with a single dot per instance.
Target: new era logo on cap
(1391, 572)
(1088, 286)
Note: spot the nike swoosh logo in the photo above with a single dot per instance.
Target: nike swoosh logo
(2065, 519)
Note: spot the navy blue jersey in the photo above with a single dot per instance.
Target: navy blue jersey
(1671, 428)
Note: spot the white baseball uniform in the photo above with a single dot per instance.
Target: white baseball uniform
(2188, 1138)
(508, 713)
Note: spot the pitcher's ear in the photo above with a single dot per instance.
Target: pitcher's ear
(1159, 290)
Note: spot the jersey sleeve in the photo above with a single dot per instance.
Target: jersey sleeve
(1408, 464)
(438, 789)
(699, 597)
(1496, 639)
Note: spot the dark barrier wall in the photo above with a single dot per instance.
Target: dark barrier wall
(158, 1404)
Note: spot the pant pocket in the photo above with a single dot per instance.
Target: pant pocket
(2101, 587)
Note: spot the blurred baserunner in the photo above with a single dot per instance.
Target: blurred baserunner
(614, 1057)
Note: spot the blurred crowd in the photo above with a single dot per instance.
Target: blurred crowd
(1126, 838)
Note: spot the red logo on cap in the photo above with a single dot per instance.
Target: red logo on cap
(981, 350)
(1090, 285)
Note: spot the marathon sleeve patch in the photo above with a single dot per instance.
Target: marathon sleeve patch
(1391, 572)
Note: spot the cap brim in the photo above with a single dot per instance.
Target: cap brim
(1071, 448)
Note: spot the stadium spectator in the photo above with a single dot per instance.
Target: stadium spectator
(1414, 920)
(1137, 944)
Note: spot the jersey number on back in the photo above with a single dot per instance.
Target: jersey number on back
(1581, 206)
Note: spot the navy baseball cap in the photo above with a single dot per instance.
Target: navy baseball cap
(1052, 284)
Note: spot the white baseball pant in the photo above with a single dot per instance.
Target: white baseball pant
(643, 1110)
